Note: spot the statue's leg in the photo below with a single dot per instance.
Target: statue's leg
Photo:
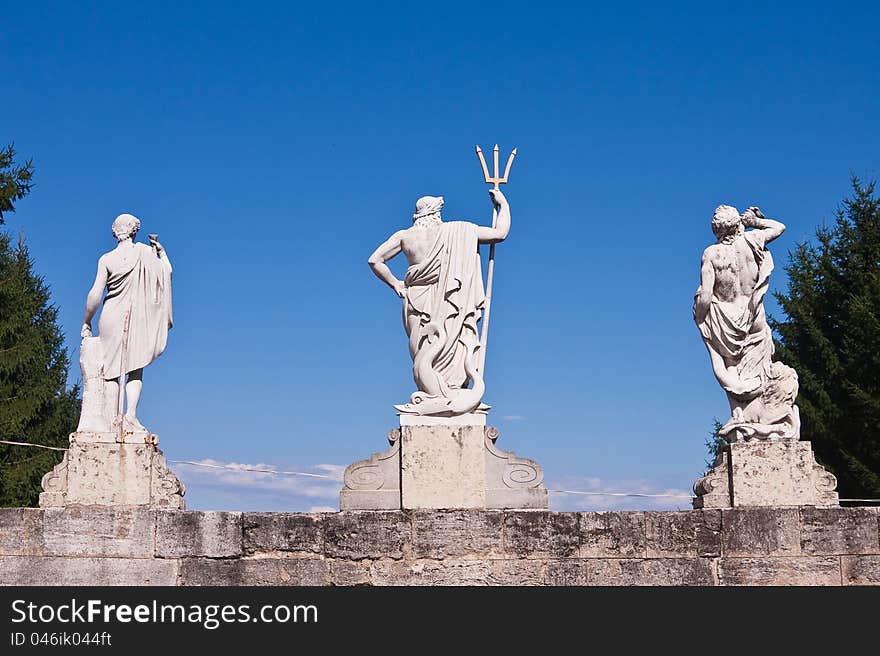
(133, 394)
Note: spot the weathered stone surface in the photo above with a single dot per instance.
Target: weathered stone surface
(367, 534)
(89, 531)
(36, 570)
(517, 572)
(112, 474)
(431, 572)
(254, 571)
(345, 572)
(760, 531)
(541, 534)
(804, 570)
(751, 546)
(21, 532)
(442, 467)
(214, 534)
(568, 572)
(659, 571)
(440, 534)
(374, 483)
(677, 534)
(614, 571)
(612, 534)
(778, 473)
(839, 531)
(860, 570)
(299, 532)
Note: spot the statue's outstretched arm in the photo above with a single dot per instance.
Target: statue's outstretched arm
(501, 229)
(93, 300)
(388, 249)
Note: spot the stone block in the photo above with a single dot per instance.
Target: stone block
(254, 571)
(760, 532)
(442, 467)
(778, 473)
(36, 570)
(541, 534)
(347, 573)
(839, 531)
(803, 570)
(431, 572)
(367, 534)
(654, 572)
(860, 570)
(112, 474)
(374, 484)
(517, 572)
(679, 534)
(214, 534)
(441, 534)
(631, 572)
(91, 531)
(297, 532)
(21, 532)
(612, 534)
(570, 572)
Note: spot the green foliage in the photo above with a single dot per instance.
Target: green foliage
(35, 404)
(715, 444)
(15, 180)
(831, 336)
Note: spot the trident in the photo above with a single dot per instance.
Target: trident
(496, 180)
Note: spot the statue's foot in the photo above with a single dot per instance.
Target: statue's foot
(132, 425)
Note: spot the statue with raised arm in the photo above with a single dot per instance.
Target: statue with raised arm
(729, 311)
(132, 329)
(443, 299)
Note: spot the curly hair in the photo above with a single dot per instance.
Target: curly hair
(725, 221)
(125, 226)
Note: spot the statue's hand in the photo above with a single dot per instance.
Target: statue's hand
(159, 248)
(400, 288)
(497, 197)
(86, 331)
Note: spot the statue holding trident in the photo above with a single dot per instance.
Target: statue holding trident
(132, 331)
(444, 299)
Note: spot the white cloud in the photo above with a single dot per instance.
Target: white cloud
(678, 499)
(231, 485)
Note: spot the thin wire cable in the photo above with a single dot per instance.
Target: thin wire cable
(38, 446)
(251, 469)
(624, 494)
(336, 478)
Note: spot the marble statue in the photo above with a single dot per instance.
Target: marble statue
(132, 330)
(443, 299)
(729, 312)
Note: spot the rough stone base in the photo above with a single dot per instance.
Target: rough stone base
(443, 466)
(766, 473)
(112, 474)
(737, 546)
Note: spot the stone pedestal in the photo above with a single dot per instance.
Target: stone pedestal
(99, 471)
(766, 473)
(443, 463)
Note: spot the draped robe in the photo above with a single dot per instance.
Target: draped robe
(728, 329)
(144, 289)
(445, 292)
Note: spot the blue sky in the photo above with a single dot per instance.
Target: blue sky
(272, 148)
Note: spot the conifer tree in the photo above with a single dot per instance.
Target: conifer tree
(35, 404)
(831, 335)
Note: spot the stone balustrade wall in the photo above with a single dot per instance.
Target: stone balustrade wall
(761, 546)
